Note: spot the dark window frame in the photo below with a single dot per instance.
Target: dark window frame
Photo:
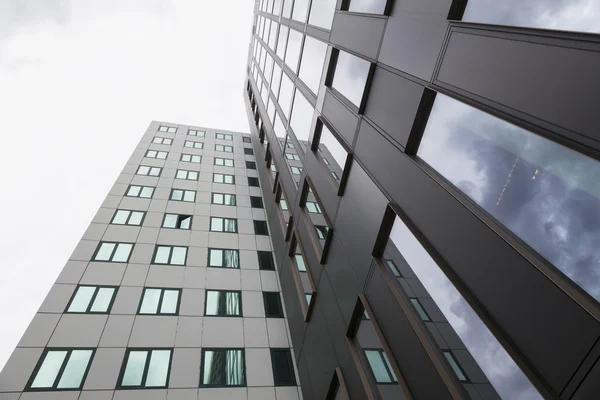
(137, 172)
(223, 218)
(259, 225)
(187, 174)
(179, 220)
(128, 351)
(171, 247)
(223, 183)
(138, 196)
(271, 261)
(223, 158)
(92, 299)
(217, 349)
(160, 129)
(291, 371)
(194, 144)
(340, 186)
(225, 148)
(250, 165)
(113, 251)
(191, 155)
(210, 249)
(157, 153)
(256, 203)
(55, 387)
(238, 292)
(162, 140)
(183, 195)
(160, 301)
(277, 295)
(212, 199)
(252, 185)
(128, 217)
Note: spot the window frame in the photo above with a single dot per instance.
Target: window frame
(191, 156)
(210, 249)
(225, 148)
(238, 292)
(215, 349)
(224, 160)
(337, 385)
(196, 134)
(210, 224)
(59, 375)
(92, 299)
(212, 199)
(290, 360)
(331, 69)
(183, 195)
(138, 196)
(260, 222)
(187, 174)
(340, 186)
(162, 224)
(149, 351)
(150, 167)
(250, 165)
(224, 175)
(257, 181)
(305, 305)
(112, 220)
(112, 254)
(160, 301)
(194, 144)
(272, 262)
(157, 246)
(168, 129)
(224, 136)
(162, 140)
(262, 203)
(158, 152)
(281, 314)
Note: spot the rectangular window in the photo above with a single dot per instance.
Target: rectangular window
(265, 261)
(321, 231)
(223, 367)
(253, 181)
(225, 199)
(148, 171)
(128, 217)
(177, 221)
(291, 156)
(169, 129)
(246, 139)
(170, 255)
(296, 170)
(191, 158)
(455, 366)
(223, 258)
(92, 299)
(224, 178)
(188, 175)
(223, 303)
(156, 154)
(365, 6)
(221, 147)
(224, 136)
(321, 13)
(162, 140)
(380, 366)
(183, 195)
(248, 151)
(140, 191)
(260, 228)
(326, 144)
(350, 76)
(256, 202)
(224, 162)
(193, 144)
(196, 132)
(250, 165)
(223, 224)
(283, 367)
(420, 309)
(160, 301)
(145, 368)
(61, 369)
(313, 207)
(113, 252)
(283, 204)
(273, 307)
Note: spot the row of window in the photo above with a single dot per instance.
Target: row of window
(186, 174)
(66, 369)
(194, 132)
(162, 301)
(119, 252)
(184, 194)
(162, 155)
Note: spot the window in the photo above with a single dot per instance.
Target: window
(193, 144)
(225, 199)
(223, 258)
(145, 368)
(92, 299)
(113, 252)
(160, 301)
(292, 54)
(420, 310)
(366, 6)
(223, 303)
(321, 13)
(248, 151)
(300, 10)
(265, 261)
(311, 65)
(250, 165)
(149, 171)
(191, 158)
(260, 228)
(392, 265)
(455, 367)
(313, 207)
(162, 140)
(177, 221)
(61, 369)
(253, 181)
(224, 162)
(300, 262)
(140, 191)
(156, 154)
(291, 156)
(185, 174)
(169, 129)
(224, 178)
(256, 202)
(246, 139)
(329, 146)
(335, 176)
(350, 76)
(223, 224)
(285, 98)
(224, 136)
(223, 367)
(283, 367)
(283, 204)
(170, 255)
(196, 132)
(183, 195)
(380, 366)
(273, 307)
(296, 170)
(289, 145)
(221, 147)
(321, 231)
(325, 161)
(127, 217)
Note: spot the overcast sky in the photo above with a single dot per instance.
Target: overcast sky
(81, 80)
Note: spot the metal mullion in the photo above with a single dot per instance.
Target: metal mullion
(112, 254)
(146, 367)
(387, 368)
(170, 254)
(62, 368)
(160, 300)
(128, 216)
(89, 306)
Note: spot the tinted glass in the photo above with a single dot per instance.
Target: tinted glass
(283, 369)
(162, 254)
(546, 194)
(380, 368)
(311, 64)
(150, 301)
(75, 369)
(223, 368)
(48, 372)
(158, 368)
(216, 258)
(302, 116)
(452, 361)
(134, 371)
(265, 260)
(331, 149)
(287, 8)
(321, 13)
(102, 300)
(82, 299)
(292, 54)
(273, 308)
(136, 218)
(368, 6)
(285, 95)
(350, 76)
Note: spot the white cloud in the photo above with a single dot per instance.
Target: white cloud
(80, 84)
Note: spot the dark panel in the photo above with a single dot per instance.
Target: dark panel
(312, 253)
(392, 104)
(487, 265)
(590, 387)
(322, 184)
(303, 372)
(358, 32)
(292, 307)
(359, 219)
(546, 79)
(414, 36)
(419, 371)
(342, 119)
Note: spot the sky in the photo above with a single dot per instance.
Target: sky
(81, 81)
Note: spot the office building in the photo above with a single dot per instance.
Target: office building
(171, 293)
(446, 243)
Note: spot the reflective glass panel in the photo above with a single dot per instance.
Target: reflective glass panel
(311, 65)
(276, 79)
(330, 148)
(105, 251)
(368, 6)
(285, 94)
(302, 116)
(170, 221)
(134, 371)
(75, 369)
(146, 192)
(222, 303)
(300, 263)
(158, 368)
(300, 10)
(292, 55)
(122, 253)
(273, 35)
(102, 300)
(82, 299)
(379, 365)
(350, 76)
(216, 257)
(287, 9)
(120, 217)
(150, 301)
(546, 194)
(162, 254)
(178, 255)
(136, 218)
(452, 361)
(169, 302)
(48, 372)
(282, 41)
(321, 13)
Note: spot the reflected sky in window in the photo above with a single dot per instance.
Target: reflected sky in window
(367, 6)
(329, 143)
(292, 55)
(571, 15)
(311, 65)
(321, 13)
(350, 76)
(300, 10)
(285, 94)
(302, 115)
(546, 194)
(282, 41)
(502, 372)
(276, 79)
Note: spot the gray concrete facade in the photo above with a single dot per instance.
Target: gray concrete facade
(185, 330)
